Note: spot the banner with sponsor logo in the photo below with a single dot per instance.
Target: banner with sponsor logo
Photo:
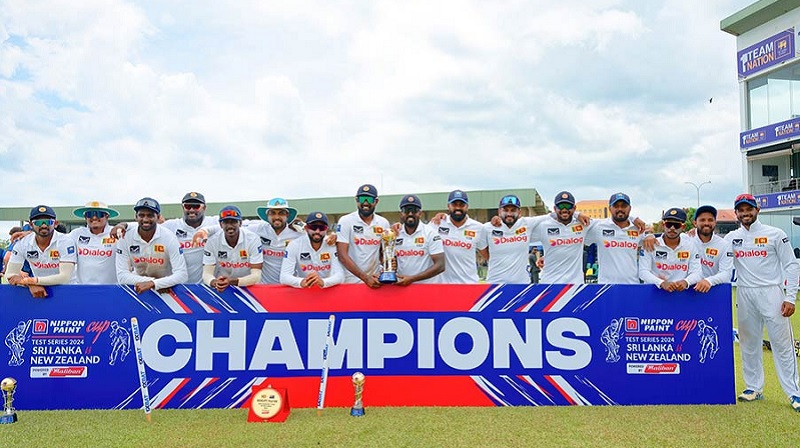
(767, 53)
(785, 130)
(422, 345)
(775, 200)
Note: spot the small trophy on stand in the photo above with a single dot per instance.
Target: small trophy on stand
(8, 386)
(388, 276)
(358, 406)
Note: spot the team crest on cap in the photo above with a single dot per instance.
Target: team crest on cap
(94, 204)
(365, 188)
(411, 199)
(42, 209)
(564, 196)
(318, 215)
(673, 212)
(193, 194)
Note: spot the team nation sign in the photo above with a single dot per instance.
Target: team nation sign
(422, 345)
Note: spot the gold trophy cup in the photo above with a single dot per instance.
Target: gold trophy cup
(388, 238)
(358, 385)
(8, 386)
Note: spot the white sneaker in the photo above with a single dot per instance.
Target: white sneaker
(795, 401)
(751, 395)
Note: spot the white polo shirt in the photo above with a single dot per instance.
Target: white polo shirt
(413, 252)
(563, 251)
(273, 248)
(364, 242)
(301, 258)
(193, 255)
(233, 262)
(460, 245)
(666, 264)
(617, 251)
(508, 252)
(45, 262)
(159, 260)
(716, 259)
(96, 255)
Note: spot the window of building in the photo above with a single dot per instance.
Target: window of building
(774, 97)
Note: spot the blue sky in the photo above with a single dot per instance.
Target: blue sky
(247, 100)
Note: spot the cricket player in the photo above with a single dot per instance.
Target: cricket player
(96, 248)
(716, 255)
(276, 233)
(358, 239)
(232, 257)
(51, 255)
(563, 238)
(460, 235)
(763, 260)
(674, 265)
(618, 240)
(418, 249)
(309, 261)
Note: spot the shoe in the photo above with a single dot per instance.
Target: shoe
(795, 401)
(751, 395)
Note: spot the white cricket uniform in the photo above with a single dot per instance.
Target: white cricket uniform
(193, 255)
(159, 260)
(301, 258)
(97, 256)
(233, 262)
(617, 251)
(563, 251)
(460, 245)
(45, 262)
(273, 247)
(666, 264)
(413, 252)
(508, 252)
(716, 259)
(763, 260)
(364, 242)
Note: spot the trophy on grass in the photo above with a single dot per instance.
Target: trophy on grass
(358, 406)
(388, 238)
(8, 386)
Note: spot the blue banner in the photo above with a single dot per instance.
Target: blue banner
(772, 133)
(775, 200)
(762, 55)
(474, 345)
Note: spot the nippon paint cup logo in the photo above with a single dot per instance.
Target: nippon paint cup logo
(40, 326)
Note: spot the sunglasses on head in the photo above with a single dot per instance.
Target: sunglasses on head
(745, 196)
(192, 206)
(228, 214)
(367, 199)
(672, 224)
(509, 200)
(409, 209)
(564, 206)
(43, 222)
(317, 227)
(95, 214)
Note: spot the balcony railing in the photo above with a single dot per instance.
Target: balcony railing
(775, 186)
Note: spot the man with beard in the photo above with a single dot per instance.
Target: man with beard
(618, 240)
(308, 261)
(275, 233)
(506, 247)
(232, 257)
(358, 239)
(460, 235)
(96, 248)
(418, 249)
(194, 221)
(149, 257)
(563, 238)
(675, 264)
(716, 255)
(51, 255)
(763, 260)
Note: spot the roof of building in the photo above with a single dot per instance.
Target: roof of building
(756, 14)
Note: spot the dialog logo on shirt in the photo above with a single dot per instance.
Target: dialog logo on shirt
(566, 241)
(672, 267)
(621, 244)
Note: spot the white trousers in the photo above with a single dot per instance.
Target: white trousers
(757, 307)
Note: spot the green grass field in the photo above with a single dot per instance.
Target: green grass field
(768, 423)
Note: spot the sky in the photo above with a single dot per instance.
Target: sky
(114, 100)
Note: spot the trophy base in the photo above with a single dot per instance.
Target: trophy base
(8, 418)
(387, 278)
(356, 412)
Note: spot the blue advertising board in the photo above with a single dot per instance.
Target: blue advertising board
(767, 53)
(772, 133)
(775, 200)
(422, 345)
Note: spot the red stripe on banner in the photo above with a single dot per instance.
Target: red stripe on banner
(525, 380)
(560, 294)
(350, 298)
(560, 390)
(213, 380)
(180, 302)
(174, 392)
(201, 303)
(387, 390)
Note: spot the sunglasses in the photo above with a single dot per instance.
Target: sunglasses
(564, 206)
(228, 214)
(745, 196)
(317, 227)
(95, 214)
(672, 224)
(410, 210)
(192, 206)
(367, 199)
(43, 222)
(509, 200)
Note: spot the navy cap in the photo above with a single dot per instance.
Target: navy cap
(745, 198)
(619, 197)
(194, 196)
(316, 217)
(565, 197)
(674, 214)
(367, 190)
(457, 195)
(509, 199)
(411, 200)
(148, 203)
(705, 209)
(43, 210)
(230, 212)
